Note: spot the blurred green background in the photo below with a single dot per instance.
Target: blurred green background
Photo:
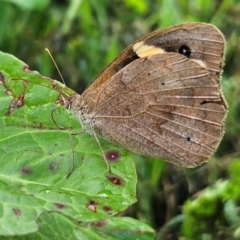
(85, 35)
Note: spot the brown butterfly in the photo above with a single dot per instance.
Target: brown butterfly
(161, 97)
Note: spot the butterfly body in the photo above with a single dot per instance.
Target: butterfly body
(161, 97)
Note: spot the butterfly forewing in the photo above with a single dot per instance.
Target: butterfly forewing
(205, 41)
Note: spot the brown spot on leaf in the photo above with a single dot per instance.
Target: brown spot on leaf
(60, 205)
(115, 180)
(26, 69)
(16, 103)
(107, 208)
(91, 205)
(25, 170)
(18, 212)
(53, 167)
(56, 87)
(98, 223)
(112, 155)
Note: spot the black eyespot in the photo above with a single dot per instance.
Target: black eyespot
(203, 102)
(188, 139)
(185, 51)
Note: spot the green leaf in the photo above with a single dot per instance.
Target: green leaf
(36, 156)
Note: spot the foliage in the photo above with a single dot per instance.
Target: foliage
(83, 36)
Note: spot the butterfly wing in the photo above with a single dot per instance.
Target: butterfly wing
(165, 106)
(204, 41)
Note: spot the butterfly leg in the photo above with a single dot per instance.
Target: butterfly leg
(103, 154)
(73, 151)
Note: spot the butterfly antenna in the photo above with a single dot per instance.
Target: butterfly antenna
(50, 55)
